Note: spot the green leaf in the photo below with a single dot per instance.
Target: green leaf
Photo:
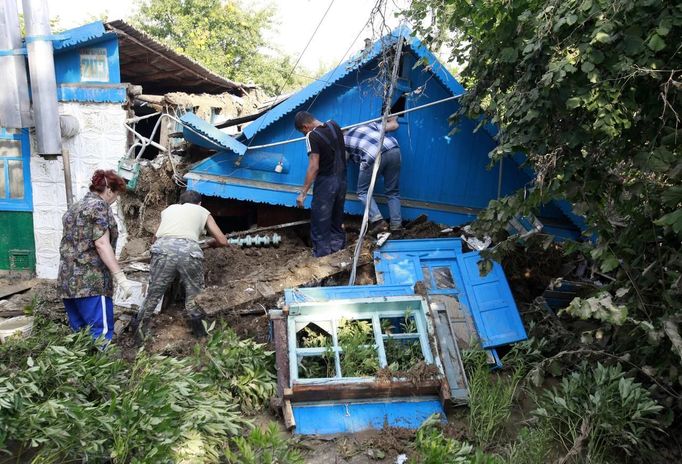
(602, 37)
(571, 19)
(587, 66)
(509, 54)
(573, 102)
(609, 264)
(656, 43)
(673, 220)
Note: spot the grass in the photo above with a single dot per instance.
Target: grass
(491, 398)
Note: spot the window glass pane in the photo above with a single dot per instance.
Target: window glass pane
(316, 367)
(10, 148)
(443, 277)
(314, 335)
(16, 179)
(427, 276)
(2, 179)
(398, 325)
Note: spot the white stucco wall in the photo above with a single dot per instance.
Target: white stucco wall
(100, 144)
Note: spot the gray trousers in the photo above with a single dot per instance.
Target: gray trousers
(173, 257)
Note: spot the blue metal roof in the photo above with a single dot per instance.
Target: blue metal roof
(213, 138)
(350, 65)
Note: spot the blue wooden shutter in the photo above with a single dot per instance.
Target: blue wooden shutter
(491, 303)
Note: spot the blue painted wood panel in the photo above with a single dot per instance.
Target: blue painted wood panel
(487, 298)
(352, 417)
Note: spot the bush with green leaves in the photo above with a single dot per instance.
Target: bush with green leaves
(262, 447)
(586, 94)
(68, 400)
(598, 414)
(431, 446)
(244, 368)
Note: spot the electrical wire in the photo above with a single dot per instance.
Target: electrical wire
(293, 68)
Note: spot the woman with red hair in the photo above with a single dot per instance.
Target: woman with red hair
(88, 265)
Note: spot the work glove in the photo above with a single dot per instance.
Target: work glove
(124, 284)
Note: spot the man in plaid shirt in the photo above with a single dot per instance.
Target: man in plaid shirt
(362, 143)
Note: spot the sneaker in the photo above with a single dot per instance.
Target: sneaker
(377, 227)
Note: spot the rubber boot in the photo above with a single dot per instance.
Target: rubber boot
(196, 323)
(138, 329)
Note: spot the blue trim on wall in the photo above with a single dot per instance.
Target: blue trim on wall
(26, 203)
(99, 94)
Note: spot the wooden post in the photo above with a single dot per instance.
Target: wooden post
(67, 177)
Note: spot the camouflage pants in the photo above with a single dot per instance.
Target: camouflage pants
(173, 257)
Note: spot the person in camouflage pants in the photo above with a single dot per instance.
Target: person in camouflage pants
(176, 252)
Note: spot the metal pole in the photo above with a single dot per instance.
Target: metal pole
(43, 83)
(67, 178)
(377, 159)
(15, 106)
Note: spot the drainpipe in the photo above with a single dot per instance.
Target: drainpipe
(15, 107)
(43, 82)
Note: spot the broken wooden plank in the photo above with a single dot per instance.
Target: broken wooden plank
(279, 333)
(288, 415)
(9, 290)
(362, 390)
(449, 354)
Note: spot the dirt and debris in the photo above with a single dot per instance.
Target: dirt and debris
(417, 374)
(142, 207)
(264, 281)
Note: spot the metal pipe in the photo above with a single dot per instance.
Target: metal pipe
(66, 159)
(43, 82)
(15, 106)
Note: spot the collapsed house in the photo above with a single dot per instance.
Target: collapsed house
(445, 169)
(119, 93)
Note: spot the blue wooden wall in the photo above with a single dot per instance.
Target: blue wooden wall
(439, 167)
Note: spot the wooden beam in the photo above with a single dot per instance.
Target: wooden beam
(279, 333)
(362, 390)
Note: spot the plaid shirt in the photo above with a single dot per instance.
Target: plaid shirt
(362, 141)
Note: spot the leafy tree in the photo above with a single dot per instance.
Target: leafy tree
(589, 92)
(225, 36)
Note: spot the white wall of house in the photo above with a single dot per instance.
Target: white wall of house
(99, 144)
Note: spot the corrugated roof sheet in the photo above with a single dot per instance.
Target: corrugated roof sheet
(213, 139)
(159, 69)
(302, 96)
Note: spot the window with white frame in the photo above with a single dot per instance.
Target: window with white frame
(354, 340)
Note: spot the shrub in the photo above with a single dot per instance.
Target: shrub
(71, 401)
(244, 368)
(262, 447)
(432, 447)
(597, 412)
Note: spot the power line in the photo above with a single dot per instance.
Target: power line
(286, 81)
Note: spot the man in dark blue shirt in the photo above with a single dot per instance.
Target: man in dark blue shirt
(327, 169)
